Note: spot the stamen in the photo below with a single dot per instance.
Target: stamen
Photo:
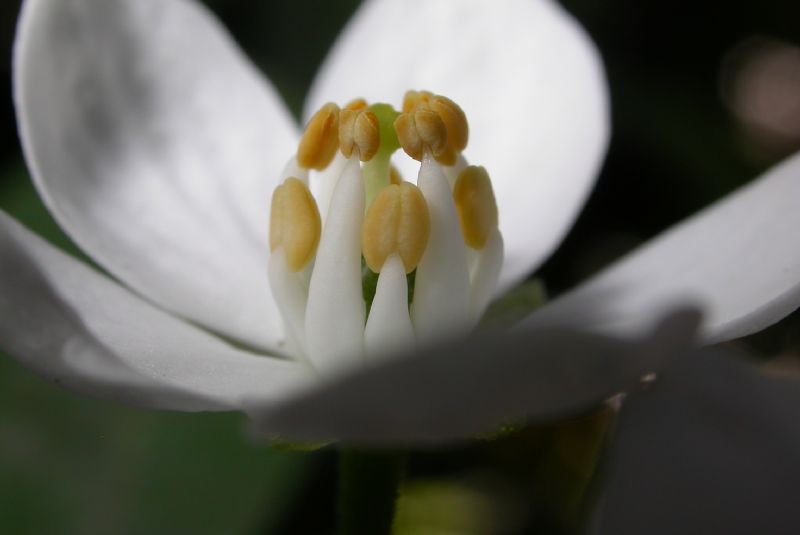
(454, 120)
(451, 116)
(356, 104)
(396, 262)
(294, 223)
(476, 206)
(441, 287)
(397, 222)
(359, 129)
(413, 99)
(419, 131)
(389, 325)
(321, 139)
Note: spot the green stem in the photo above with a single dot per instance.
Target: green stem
(368, 489)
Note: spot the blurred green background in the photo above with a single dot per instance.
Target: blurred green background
(705, 96)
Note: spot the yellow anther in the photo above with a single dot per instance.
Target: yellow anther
(431, 130)
(294, 223)
(406, 130)
(397, 222)
(447, 156)
(321, 139)
(356, 104)
(476, 205)
(414, 99)
(421, 130)
(449, 113)
(359, 129)
(454, 120)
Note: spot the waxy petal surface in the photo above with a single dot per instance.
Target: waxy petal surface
(156, 144)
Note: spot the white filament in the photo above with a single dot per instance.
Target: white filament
(335, 314)
(389, 324)
(441, 291)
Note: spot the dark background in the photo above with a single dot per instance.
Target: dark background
(705, 95)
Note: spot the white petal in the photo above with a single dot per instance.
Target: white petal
(441, 288)
(739, 260)
(460, 390)
(389, 324)
(81, 330)
(530, 81)
(156, 145)
(336, 312)
(485, 273)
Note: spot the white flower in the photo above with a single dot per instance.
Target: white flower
(156, 145)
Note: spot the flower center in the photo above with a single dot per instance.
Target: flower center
(364, 262)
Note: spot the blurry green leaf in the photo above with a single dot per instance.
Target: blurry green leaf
(70, 464)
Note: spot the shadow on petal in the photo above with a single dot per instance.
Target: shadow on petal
(459, 389)
(712, 447)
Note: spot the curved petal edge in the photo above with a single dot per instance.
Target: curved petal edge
(738, 260)
(453, 391)
(81, 330)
